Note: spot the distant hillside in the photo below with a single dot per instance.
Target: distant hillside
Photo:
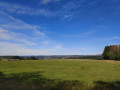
(98, 57)
(112, 52)
(44, 57)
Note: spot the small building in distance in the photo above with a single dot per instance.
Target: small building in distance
(13, 59)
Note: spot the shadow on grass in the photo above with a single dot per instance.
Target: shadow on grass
(100, 85)
(35, 81)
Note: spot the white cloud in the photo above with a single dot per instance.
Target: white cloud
(7, 48)
(110, 38)
(16, 24)
(20, 9)
(58, 46)
(4, 34)
(21, 38)
(116, 37)
(67, 16)
(18, 35)
(64, 11)
(19, 49)
(47, 1)
(12, 36)
(81, 35)
(15, 30)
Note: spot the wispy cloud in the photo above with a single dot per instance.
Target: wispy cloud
(109, 38)
(67, 16)
(116, 37)
(21, 38)
(12, 36)
(21, 9)
(9, 22)
(63, 11)
(7, 48)
(81, 35)
(48, 1)
(30, 39)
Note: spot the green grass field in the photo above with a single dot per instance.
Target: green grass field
(60, 75)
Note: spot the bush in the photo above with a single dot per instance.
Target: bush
(31, 58)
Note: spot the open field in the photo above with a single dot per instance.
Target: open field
(77, 74)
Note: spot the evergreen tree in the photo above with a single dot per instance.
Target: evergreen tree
(106, 52)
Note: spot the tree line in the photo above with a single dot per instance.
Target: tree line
(111, 52)
(20, 57)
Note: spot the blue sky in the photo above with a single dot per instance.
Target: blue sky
(58, 27)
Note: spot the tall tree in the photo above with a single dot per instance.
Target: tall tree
(111, 52)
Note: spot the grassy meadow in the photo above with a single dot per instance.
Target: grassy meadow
(69, 74)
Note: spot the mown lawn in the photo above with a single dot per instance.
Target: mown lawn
(76, 74)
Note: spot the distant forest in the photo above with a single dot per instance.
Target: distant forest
(111, 52)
